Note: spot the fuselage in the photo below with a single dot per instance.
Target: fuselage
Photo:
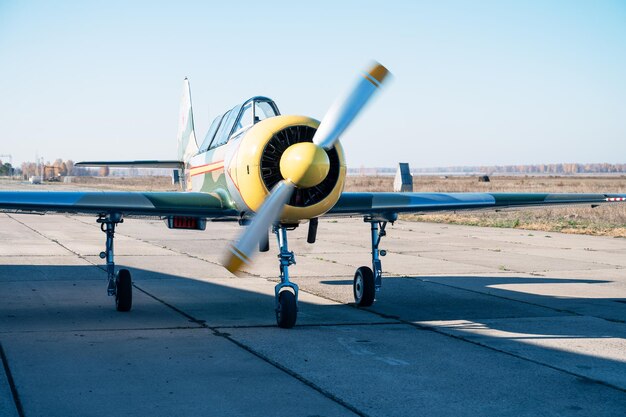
(240, 155)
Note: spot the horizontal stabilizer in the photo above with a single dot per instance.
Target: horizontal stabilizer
(133, 164)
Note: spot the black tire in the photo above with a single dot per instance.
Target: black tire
(287, 311)
(363, 287)
(123, 291)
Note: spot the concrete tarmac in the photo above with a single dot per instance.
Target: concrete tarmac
(470, 322)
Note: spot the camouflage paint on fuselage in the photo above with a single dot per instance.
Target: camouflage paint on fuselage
(205, 173)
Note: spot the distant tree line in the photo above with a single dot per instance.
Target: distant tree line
(556, 169)
(60, 168)
(547, 169)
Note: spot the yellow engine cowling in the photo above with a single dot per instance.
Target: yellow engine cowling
(256, 167)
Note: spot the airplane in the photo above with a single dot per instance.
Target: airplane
(268, 171)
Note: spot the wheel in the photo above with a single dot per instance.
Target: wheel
(287, 311)
(123, 291)
(364, 287)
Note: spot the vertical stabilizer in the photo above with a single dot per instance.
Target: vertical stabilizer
(187, 145)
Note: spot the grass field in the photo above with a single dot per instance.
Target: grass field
(127, 183)
(605, 220)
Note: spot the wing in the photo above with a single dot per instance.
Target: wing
(133, 164)
(386, 204)
(128, 204)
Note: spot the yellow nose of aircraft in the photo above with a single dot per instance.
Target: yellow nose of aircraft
(305, 164)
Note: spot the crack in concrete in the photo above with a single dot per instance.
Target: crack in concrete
(11, 382)
(52, 240)
(216, 332)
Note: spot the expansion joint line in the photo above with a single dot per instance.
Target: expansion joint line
(477, 343)
(216, 332)
(11, 382)
(50, 239)
(399, 320)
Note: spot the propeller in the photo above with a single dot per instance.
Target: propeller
(305, 165)
(269, 212)
(345, 109)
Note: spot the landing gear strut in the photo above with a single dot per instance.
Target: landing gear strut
(120, 284)
(367, 281)
(286, 292)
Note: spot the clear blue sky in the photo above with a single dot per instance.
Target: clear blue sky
(476, 82)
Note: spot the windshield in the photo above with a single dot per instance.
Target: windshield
(211, 133)
(263, 110)
(237, 120)
(245, 119)
(223, 133)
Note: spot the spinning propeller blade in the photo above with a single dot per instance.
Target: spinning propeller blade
(345, 109)
(305, 165)
(241, 252)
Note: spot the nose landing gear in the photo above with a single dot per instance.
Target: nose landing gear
(286, 292)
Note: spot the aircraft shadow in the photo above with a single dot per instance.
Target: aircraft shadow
(74, 297)
(447, 298)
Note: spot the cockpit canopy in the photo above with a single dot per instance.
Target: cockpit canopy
(237, 120)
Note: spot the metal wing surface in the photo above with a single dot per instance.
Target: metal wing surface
(129, 204)
(393, 203)
(133, 164)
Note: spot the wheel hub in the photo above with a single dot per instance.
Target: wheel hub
(359, 287)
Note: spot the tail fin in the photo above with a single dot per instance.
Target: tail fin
(187, 145)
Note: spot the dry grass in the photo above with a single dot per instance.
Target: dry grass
(606, 220)
(126, 183)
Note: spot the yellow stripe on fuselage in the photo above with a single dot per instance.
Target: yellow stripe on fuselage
(203, 169)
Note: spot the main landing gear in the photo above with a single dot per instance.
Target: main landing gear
(367, 281)
(286, 292)
(120, 284)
